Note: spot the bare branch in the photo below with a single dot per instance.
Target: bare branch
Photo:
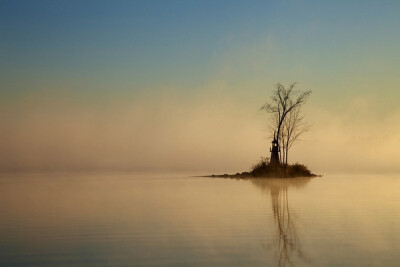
(287, 120)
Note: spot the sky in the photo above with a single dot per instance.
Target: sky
(178, 85)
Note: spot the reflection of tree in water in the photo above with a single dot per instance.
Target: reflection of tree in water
(287, 240)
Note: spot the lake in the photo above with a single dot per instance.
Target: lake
(125, 219)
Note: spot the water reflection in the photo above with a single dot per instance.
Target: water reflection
(287, 241)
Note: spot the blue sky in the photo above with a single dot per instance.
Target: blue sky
(185, 42)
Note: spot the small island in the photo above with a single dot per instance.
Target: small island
(287, 123)
(272, 168)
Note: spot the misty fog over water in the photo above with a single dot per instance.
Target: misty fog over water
(129, 219)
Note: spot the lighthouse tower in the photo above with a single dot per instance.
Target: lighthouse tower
(274, 152)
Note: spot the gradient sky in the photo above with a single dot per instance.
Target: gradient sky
(177, 85)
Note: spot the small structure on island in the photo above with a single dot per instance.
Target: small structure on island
(275, 152)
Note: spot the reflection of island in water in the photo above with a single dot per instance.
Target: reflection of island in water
(287, 239)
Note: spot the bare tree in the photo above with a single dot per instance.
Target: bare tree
(283, 102)
(293, 127)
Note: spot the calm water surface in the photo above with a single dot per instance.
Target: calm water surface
(176, 220)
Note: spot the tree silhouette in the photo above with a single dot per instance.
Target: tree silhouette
(293, 127)
(285, 107)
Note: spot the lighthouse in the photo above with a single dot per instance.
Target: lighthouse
(274, 152)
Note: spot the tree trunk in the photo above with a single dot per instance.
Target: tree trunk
(286, 154)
